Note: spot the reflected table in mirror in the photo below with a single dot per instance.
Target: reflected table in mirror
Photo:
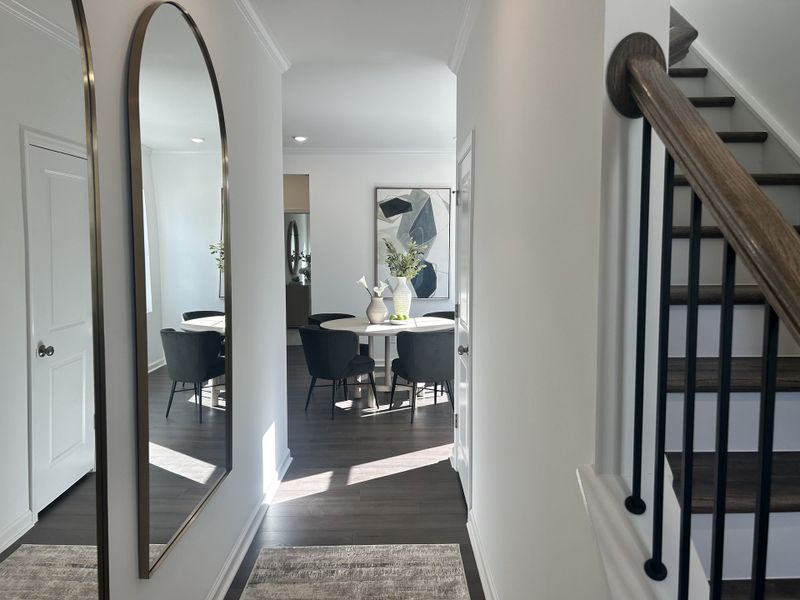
(362, 327)
(215, 323)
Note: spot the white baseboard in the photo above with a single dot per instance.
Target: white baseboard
(156, 364)
(16, 529)
(237, 554)
(489, 589)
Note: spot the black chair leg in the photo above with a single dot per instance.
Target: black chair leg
(391, 395)
(413, 400)
(171, 394)
(310, 390)
(374, 391)
(333, 400)
(435, 393)
(198, 394)
(344, 385)
(449, 387)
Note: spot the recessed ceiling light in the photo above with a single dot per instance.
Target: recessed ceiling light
(300, 138)
(198, 140)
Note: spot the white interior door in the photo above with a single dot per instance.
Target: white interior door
(463, 371)
(59, 292)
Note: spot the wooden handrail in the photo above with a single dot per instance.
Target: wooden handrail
(762, 238)
(681, 36)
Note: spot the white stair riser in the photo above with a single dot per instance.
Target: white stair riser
(691, 86)
(782, 561)
(743, 425)
(748, 325)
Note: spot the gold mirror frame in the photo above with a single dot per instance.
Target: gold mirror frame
(98, 335)
(137, 191)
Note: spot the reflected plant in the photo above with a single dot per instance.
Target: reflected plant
(218, 252)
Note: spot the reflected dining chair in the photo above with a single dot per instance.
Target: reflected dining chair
(192, 357)
(199, 314)
(423, 357)
(333, 355)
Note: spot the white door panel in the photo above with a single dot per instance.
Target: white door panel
(463, 384)
(59, 290)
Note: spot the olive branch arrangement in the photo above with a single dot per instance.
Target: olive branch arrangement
(405, 264)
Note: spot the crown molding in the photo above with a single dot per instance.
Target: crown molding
(41, 23)
(471, 9)
(265, 37)
(416, 152)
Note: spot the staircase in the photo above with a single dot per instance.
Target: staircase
(777, 172)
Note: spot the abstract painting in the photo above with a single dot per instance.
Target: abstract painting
(422, 215)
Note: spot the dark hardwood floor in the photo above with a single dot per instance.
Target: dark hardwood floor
(364, 478)
(194, 451)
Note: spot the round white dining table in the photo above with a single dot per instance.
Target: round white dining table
(362, 327)
(215, 323)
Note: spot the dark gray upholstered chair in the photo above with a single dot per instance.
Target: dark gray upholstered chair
(199, 314)
(442, 314)
(424, 357)
(192, 357)
(318, 319)
(333, 355)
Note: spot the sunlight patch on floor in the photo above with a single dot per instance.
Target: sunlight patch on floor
(318, 483)
(181, 464)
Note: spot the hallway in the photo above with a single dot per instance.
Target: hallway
(364, 479)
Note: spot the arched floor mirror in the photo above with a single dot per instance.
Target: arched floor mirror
(181, 240)
(53, 496)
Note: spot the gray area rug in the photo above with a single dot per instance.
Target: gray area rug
(35, 572)
(43, 572)
(396, 572)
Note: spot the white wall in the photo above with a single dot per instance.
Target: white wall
(342, 189)
(46, 95)
(531, 85)
(758, 44)
(251, 95)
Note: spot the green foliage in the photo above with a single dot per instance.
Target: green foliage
(218, 252)
(405, 264)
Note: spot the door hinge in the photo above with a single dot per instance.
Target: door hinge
(457, 310)
(457, 195)
(455, 420)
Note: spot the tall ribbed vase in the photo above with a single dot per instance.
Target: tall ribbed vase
(402, 297)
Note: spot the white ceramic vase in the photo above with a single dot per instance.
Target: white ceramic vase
(376, 311)
(402, 297)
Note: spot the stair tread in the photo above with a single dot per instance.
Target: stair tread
(688, 72)
(745, 374)
(712, 294)
(761, 179)
(742, 481)
(707, 231)
(743, 137)
(777, 589)
(713, 101)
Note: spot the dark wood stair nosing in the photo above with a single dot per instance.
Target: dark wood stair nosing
(688, 72)
(712, 295)
(742, 481)
(745, 374)
(709, 232)
(713, 101)
(743, 137)
(760, 178)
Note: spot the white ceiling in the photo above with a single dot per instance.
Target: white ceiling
(367, 74)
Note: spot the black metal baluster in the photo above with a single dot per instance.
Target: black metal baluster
(654, 566)
(634, 502)
(690, 387)
(769, 379)
(723, 420)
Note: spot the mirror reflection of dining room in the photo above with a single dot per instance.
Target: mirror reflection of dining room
(182, 260)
